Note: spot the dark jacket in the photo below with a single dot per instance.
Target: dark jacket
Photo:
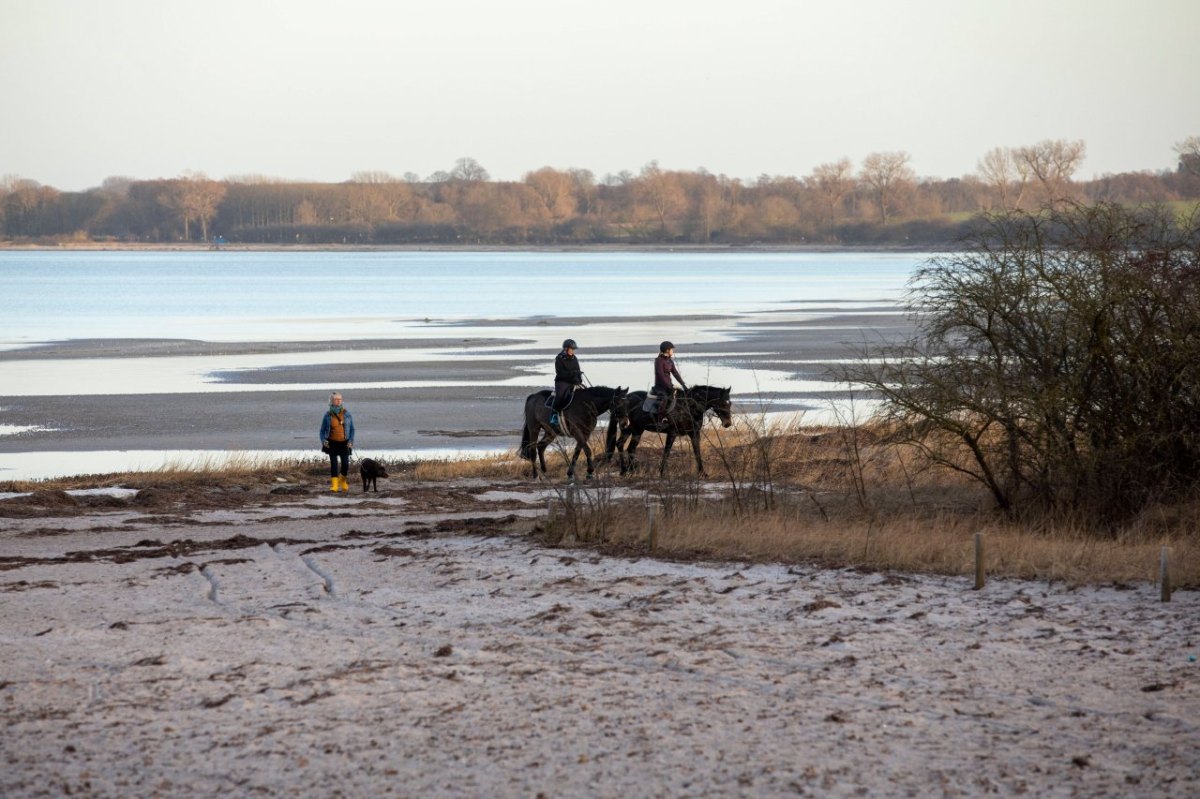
(664, 370)
(566, 369)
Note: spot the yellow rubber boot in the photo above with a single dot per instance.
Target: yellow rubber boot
(334, 483)
(345, 483)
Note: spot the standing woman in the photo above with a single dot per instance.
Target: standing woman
(337, 439)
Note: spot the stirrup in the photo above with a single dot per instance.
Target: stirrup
(554, 419)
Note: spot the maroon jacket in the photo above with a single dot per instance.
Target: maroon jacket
(664, 370)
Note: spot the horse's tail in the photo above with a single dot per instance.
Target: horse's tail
(526, 443)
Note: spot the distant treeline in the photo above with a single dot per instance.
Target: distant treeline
(879, 203)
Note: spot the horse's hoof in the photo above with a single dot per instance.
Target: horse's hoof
(589, 476)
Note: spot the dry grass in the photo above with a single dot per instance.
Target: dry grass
(906, 542)
(841, 497)
(226, 470)
(835, 496)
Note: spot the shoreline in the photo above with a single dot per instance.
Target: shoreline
(440, 394)
(93, 246)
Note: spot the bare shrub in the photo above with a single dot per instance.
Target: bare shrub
(1059, 353)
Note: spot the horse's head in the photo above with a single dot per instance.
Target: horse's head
(620, 406)
(718, 401)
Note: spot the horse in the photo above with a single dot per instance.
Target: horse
(577, 421)
(686, 418)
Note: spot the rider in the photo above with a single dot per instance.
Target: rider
(567, 377)
(664, 370)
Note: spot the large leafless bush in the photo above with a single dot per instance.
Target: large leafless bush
(1057, 359)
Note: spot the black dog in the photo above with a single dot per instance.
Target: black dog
(371, 471)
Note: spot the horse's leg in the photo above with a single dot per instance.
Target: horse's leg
(531, 446)
(694, 437)
(627, 457)
(541, 451)
(618, 447)
(574, 458)
(587, 452)
(662, 469)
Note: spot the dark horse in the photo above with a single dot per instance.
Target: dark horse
(577, 421)
(686, 419)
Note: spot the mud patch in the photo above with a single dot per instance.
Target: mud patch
(148, 550)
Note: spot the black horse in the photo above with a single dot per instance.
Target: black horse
(577, 421)
(686, 418)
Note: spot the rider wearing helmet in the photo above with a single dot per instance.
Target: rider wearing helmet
(664, 370)
(567, 377)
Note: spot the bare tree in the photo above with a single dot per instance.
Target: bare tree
(662, 192)
(377, 196)
(373, 176)
(885, 175)
(1052, 163)
(193, 197)
(1189, 155)
(831, 183)
(1000, 171)
(116, 186)
(556, 190)
(204, 201)
(585, 189)
(469, 170)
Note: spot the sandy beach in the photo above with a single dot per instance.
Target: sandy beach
(277, 640)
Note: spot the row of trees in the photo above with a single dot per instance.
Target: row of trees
(879, 201)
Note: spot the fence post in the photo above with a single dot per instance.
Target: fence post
(651, 526)
(571, 515)
(1164, 573)
(979, 576)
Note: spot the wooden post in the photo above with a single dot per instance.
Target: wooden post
(549, 509)
(651, 526)
(979, 577)
(571, 509)
(1164, 573)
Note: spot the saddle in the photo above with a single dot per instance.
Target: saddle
(651, 404)
(549, 403)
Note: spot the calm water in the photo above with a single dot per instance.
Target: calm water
(255, 296)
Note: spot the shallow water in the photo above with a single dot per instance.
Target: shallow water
(312, 296)
(507, 308)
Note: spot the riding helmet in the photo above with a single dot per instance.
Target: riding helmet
(666, 345)
(569, 344)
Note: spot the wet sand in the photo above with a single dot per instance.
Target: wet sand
(468, 410)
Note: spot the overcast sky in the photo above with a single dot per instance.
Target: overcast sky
(304, 90)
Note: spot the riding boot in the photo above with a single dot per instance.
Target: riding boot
(554, 419)
(335, 483)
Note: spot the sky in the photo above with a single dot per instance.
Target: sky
(301, 90)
